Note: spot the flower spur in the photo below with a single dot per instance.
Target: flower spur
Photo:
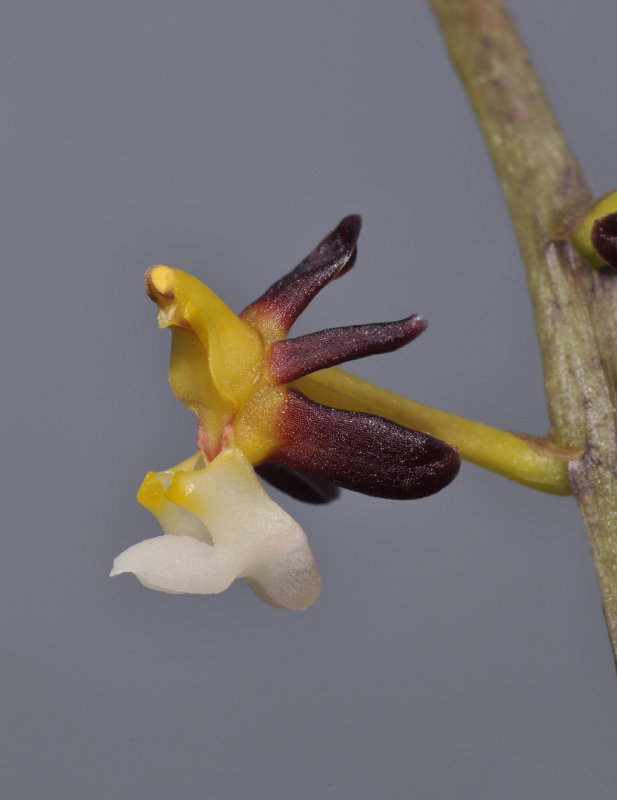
(237, 374)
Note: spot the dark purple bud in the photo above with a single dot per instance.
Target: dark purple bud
(294, 483)
(292, 358)
(604, 238)
(286, 299)
(362, 452)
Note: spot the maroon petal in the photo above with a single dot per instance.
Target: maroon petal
(292, 358)
(604, 238)
(302, 487)
(363, 452)
(285, 300)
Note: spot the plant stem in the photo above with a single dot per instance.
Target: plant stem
(574, 305)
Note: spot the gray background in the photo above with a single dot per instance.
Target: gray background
(459, 648)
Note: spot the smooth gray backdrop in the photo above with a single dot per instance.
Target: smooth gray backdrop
(459, 648)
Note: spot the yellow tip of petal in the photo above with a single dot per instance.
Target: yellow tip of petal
(181, 491)
(151, 492)
(161, 279)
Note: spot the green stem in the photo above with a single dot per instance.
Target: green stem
(574, 305)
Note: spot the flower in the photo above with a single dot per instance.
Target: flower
(237, 374)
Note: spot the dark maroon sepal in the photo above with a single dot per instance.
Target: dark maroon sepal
(286, 299)
(290, 359)
(301, 487)
(604, 238)
(362, 452)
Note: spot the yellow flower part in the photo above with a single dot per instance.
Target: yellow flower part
(216, 366)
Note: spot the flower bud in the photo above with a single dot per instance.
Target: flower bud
(595, 237)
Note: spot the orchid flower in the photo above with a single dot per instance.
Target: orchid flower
(237, 374)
